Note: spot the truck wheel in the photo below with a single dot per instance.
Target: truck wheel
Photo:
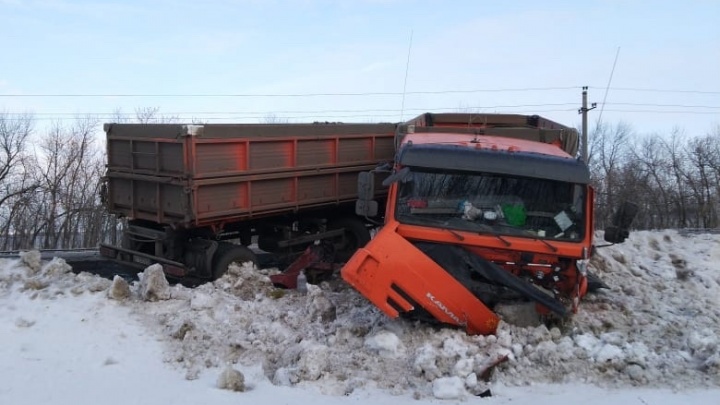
(356, 236)
(228, 253)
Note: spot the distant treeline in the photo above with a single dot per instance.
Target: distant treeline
(674, 177)
(50, 180)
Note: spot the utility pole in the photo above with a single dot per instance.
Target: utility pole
(584, 110)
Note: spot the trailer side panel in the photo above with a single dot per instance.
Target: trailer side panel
(202, 175)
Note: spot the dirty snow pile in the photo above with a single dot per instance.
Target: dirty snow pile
(48, 280)
(656, 327)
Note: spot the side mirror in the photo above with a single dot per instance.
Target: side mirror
(365, 205)
(366, 185)
(623, 218)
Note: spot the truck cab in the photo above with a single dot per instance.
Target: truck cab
(481, 209)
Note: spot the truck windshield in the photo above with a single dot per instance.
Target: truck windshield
(493, 204)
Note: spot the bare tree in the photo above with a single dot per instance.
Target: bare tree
(608, 149)
(142, 115)
(151, 115)
(15, 182)
(119, 117)
(146, 115)
(699, 154)
(14, 133)
(69, 179)
(652, 162)
(273, 119)
(714, 159)
(678, 171)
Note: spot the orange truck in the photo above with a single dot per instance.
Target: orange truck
(481, 209)
(478, 208)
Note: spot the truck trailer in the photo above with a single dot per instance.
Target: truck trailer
(195, 197)
(473, 210)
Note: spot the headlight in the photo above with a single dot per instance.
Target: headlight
(582, 266)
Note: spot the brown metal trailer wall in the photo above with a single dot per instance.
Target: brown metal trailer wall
(204, 175)
(530, 127)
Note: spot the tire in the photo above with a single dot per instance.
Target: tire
(228, 253)
(356, 236)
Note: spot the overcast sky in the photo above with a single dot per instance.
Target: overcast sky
(535, 55)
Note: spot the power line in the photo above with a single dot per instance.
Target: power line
(357, 94)
(321, 117)
(318, 117)
(665, 105)
(264, 113)
(665, 112)
(523, 89)
(407, 69)
(261, 114)
(653, 90)
(607, 88)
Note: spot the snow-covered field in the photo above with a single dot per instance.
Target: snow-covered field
(651, 339)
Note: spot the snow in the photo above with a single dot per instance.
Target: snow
(71, 338)
(448, 388)
(153, 284)
(385, 343)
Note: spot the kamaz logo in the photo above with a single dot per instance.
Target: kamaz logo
(445, 309)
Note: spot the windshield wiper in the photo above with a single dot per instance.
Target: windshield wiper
(443, 224)
(454, 233)
(503, 240)
(548, 244)
(520, 233)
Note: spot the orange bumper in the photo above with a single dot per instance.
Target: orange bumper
(396, 277)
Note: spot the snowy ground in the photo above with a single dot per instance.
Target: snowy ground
(651, 339)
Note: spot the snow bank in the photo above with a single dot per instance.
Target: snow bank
(656, 327)
(46, 280)
(653, 328)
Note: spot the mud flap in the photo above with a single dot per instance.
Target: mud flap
(397, 277)
(479, 274)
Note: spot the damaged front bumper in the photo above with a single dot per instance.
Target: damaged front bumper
(449, 282)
